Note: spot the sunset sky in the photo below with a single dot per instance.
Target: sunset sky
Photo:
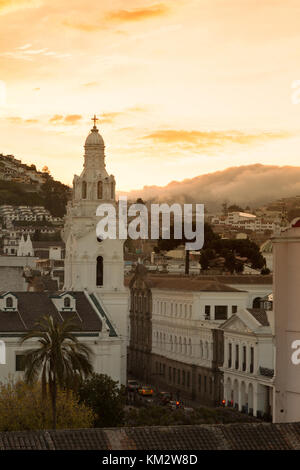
(182, 87)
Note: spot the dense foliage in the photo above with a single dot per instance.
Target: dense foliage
(23, 408)
(163, 416)
(215, 246)
(104, 396)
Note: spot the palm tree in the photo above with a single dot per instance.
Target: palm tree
(60, 359)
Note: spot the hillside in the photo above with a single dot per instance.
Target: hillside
(53, 195)
(251, 185)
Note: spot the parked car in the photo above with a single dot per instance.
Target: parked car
(132, 385)
(145, 390)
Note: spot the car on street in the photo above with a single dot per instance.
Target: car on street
(145, 390)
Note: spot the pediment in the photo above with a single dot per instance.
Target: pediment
(238, 325)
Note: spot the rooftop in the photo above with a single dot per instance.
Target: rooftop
(32, 305)
(260, 315)
(239, 436)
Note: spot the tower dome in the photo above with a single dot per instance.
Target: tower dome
(94, 138)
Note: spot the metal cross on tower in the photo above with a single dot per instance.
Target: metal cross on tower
(95, 119)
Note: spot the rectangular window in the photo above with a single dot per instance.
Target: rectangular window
(183, 377)
(174, 376)
(199, 382)
(205, 383)
(221, 312)
(20, 366)
(244, 358)
(207, 312)
(210, 385)
(178, 377)
(236, 356)
(234, 309)
(229, 355)
(188, 379)
(251, 360)
(170, 374)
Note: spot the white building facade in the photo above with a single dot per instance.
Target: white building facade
(92, 264)
(249, 362)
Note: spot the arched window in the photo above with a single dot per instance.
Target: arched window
(99, 273)
(99, 190)
(84, 191)
(67, 302)
(256, 302)
(9, 302)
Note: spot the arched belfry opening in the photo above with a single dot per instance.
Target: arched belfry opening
(99, 272)
(100, 190)
(84, 189)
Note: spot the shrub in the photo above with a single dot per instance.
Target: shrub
(22, 409)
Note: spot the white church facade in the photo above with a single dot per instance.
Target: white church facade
(91, 264)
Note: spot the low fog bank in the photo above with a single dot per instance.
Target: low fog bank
(251, 185)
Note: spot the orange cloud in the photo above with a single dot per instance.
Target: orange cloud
(138, 14)
(72, 118)
(108, 118)
(20, 120)
(69, 119)
(7, 6)
(56, 118)
(211, 139)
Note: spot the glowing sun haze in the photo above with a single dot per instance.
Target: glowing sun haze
(182, 87)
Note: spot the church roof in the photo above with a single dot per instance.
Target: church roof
(31, 306)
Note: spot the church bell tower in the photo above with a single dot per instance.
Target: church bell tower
(91, 263)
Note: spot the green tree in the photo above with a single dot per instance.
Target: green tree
(230, 262)
(235, 208)
(23, 408)
(60, 358)
(104, 396)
